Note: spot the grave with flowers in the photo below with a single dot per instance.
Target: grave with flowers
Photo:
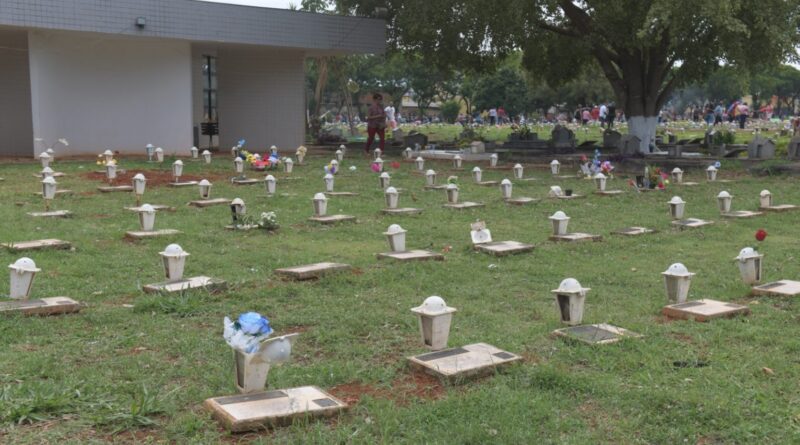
(173, 260)
(396, 237)
(22, 273)
(256, 407)
(453, 364)
(677, 280)
(482, 242)
(570, 298)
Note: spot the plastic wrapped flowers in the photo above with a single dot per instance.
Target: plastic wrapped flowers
(331, 168)
(247, 333)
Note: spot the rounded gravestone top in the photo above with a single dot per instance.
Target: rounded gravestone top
(270, 178)
(517, 165)
(49, 180)
(139, 177)
(476, 169)
(108, 153)
(677, 170)
(711, 168)
(457, 157)
(289, 161)
(678, 270)
(452, 186)
(334, 162)
(394, 229)
(342, 147)
(178, 162)
(378, 159)
(765, 193)
(173, 250)
(159, 150)
(430, 173)
(45, 155)
(493, 155)
(505, 182)
(677, 200)
(320, 197)
(237, 202)
(554, 162)
(205, 183)
(385, 175)
(206, 152)
(419, 159)
(747, 252)
(570, 285)
(434, 305)
(24, 264)
(599, 176)
(724, 194)
(149, 146)
(327, 176)
(559, 215)
(390, 191)
(147, 208)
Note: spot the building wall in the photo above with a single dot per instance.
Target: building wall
(16, 129)
(106, 92)
(261, 98)
(201, 22)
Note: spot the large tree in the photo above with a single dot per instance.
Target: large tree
(645, 48)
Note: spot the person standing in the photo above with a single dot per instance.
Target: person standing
(742, 112)
(611, 114)
(390, 119)
(718, 112)
(493, 116)
(376, 122)
(603, 114)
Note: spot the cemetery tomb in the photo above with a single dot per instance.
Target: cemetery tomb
(704, 310)
(520, 201)
(741, 214)
(115, 188)
(402, 211)
(434, 318)
(156, 207)
(183, 184)
(257, 411)
(464, 205)
(691, 223)
(340, 194)
(412, 255)
(503, 248)
(782, 288)
(470, 361)
(37, 245)
(311, 271)
(633, 231)
(332, 219)
(576, 237)
(143, 234)
(58, 193)
(246, 181)
(41, 306)
(595, 334)
(52, 214)
(182, 285)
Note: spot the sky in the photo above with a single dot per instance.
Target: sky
(283, 4)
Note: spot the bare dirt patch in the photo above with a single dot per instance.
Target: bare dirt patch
(155, 178)
(404, 389)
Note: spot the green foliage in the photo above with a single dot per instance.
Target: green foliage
(36, 403)
(724, 137)
(450, 111)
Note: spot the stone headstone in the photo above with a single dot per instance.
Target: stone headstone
(629, 144)
(415, 138)
(562, 138)
(611, 139)
(793, 149)
(761, 148)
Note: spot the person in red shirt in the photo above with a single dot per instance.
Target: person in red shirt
(595, 113)
(376, 122)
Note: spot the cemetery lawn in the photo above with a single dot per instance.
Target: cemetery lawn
(136, 368)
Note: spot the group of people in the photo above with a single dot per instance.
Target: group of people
(604, 113)
(713, 114)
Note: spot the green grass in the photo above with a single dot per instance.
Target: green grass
(140, 374)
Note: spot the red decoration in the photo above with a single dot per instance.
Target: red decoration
(395, 165)
(761, 234)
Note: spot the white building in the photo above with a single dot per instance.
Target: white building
(119, 74)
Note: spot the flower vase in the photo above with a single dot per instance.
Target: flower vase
(251, 371)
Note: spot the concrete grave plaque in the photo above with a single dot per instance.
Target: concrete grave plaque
(41, 306)
(340, 194)
(704, 310)
(488, 183)
(156, 207)
(633, 231)
(741, 214)
(595, 334)
(780, 208)
(248, 412)
(572, 196)
(332, 219)
(209, 284)
(311, 271)
(503, 248)
(687, 183)
(37, 245)
(412, 255)
(402, 211)
(210, 202)
(782, 288)
(137, 235)
(115, 188)
(436, 187)
(52, 214)
(691, 223)
(576, 237)
(469, 361)
(247, 181)
(183, 184)
(58, 192)
(608, 192)
(464, 205)
(520, 201)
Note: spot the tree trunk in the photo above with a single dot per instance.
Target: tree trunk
(643, 127)
(322, 80)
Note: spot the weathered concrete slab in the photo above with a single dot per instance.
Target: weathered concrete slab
(138, 235)
(312, 271)
(474, 360)
(412, 255)
(704, 310)
(201, 282)
(41, 306)
(22, 246)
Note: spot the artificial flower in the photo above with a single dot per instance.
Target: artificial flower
(761, 234)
